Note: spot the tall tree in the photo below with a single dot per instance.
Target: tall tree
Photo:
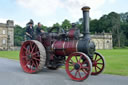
(111, 22)
(66, 24)
(18, 35)
(94, 26)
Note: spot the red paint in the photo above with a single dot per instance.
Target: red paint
(26, 63)
(98, 64)
(64, 48)
(83, 71)
(71, 33)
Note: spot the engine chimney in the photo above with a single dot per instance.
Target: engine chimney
(86, 32)
(85, 45)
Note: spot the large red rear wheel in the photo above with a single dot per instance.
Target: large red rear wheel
(98, 63)
(78, 66)
(32, 56)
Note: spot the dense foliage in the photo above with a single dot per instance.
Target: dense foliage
(115, 23)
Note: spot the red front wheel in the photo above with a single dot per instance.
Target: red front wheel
(78, 66)
(98, 63)
(32, 56)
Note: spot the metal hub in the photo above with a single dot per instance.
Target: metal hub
(77, 66)
(29, 56)
(94, 63)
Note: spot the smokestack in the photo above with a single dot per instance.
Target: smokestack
(86, 32)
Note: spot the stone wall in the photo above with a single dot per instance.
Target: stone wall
(103, 40)
(7, 35)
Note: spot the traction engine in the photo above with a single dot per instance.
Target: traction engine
(54, 49)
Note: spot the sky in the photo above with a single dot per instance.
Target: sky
(48, 12)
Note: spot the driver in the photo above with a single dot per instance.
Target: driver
(30, 31)
(39, 31)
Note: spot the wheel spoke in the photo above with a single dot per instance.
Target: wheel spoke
(70, 64)
(76, 73)
(95, 57)
(37, 64)
(85, 62)
(98, 59)
(30, 45)
(84, 71)
(72, 70)
(35, 53)
(24, 48)
(98, 67)
(33, 49)
(27, 63)
(85, 68)
(27, 51)
(35, 58)
(100, 63)
(95, 69)
(80, 58)
(31, 67)
(33, 63)
(24, 57)
(72, 61)
(76, 58)
(79, 74)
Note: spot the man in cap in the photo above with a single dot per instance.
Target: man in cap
(30, 31)
(39, 31)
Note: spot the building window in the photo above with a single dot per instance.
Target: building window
(107, 41)
(3, 31)
(4, 41)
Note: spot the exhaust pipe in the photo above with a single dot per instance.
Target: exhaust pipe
(86, 31)
(85, 45)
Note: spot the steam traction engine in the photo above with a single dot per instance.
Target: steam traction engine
(54, 49)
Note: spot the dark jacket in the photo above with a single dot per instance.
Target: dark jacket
(30, 31)
(38, 31)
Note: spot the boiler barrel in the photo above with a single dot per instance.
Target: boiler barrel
(64, 48)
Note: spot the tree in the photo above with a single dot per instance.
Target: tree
(111, 22)
(44, 28)
(94, 26)
(115, 27)
(79, 24)
(18, 35)
(124, 17)
(124, 28)
(56, 25)
(66, 24)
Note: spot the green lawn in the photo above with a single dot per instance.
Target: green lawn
(10, 54)
(116, 60)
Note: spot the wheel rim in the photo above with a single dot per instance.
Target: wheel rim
(98, 63)
(76, 68)
(30, 57)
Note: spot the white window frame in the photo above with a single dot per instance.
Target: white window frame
(4, 32)
(4, 41)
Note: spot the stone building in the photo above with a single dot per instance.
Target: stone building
(7, 35)
(102, 40)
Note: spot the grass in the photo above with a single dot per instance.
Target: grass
(10, 54)
(116, 60)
